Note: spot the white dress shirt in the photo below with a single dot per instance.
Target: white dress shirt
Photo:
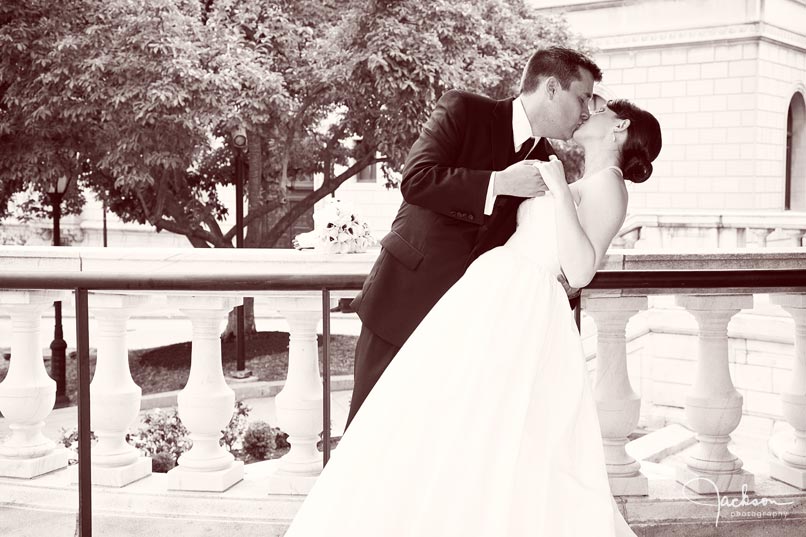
(521, 132)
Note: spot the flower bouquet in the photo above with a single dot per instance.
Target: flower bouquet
(337, 229)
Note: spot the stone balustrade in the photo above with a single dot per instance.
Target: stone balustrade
(707, 230)
(205, 404)
(713, 406)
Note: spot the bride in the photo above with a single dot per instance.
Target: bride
(484, 424)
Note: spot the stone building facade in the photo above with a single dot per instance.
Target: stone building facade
(726, 79)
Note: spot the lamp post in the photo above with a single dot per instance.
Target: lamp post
(58, 346)
(239, 140)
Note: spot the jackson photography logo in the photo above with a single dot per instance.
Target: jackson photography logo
(740, 507)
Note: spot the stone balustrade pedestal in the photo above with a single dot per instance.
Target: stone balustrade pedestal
(299, 404)
(27, 394)
(714, 407)
(115, 398)
(618, 406)
(207, 403)
(789, 461)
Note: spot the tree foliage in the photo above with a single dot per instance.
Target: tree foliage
(135, 100)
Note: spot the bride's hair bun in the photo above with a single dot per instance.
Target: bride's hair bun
(643, 142)
(636, 165)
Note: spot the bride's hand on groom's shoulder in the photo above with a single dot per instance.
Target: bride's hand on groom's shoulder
(520, 179)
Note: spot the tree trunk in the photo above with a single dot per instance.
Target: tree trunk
(256, 229)
(249, 320)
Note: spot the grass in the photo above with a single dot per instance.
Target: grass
(166, 368)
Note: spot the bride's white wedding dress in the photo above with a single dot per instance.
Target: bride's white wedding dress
(484, 424)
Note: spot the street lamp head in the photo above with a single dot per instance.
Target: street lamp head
(59, 186)
(239, 137)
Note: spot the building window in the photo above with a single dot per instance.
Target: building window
(368, 174)
(795, 190)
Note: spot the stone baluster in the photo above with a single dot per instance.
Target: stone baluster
(710, 237)
(206, 404)
(618, 406)
(741, 237)
(630, 239)
(761, 235)
(730, 237)
(794, 237)
(667, 236)
(115, 398)
(618, 242)
(27, 393)
(714, 407)
(649, 236)
(789, 464)
(299, 404)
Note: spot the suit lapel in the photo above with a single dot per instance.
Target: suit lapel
(501, 135)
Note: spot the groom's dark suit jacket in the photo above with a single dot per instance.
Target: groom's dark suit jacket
(441, 227)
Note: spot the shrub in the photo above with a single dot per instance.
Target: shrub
(69, 438)
(162, 462)
(262, 441)
(234, 433)
(163, 437)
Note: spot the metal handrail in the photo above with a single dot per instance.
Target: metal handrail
(758, 280)
(137, 281)
(604, 279)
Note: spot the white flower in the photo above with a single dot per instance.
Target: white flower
(337, 229)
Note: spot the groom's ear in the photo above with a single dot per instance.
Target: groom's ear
(552, 87)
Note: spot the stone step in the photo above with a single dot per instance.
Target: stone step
(47, 506)
(745, 528)
(772, 509)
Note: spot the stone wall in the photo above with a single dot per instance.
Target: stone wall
(719, 75)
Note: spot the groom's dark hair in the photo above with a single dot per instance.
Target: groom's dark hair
(561, 63)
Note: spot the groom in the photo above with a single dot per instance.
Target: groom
(462, 183)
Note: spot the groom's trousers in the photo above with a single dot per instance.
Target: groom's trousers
(372, 355)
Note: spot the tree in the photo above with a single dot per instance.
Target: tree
(135, 100)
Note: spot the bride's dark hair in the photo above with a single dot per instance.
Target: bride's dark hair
(643, 141)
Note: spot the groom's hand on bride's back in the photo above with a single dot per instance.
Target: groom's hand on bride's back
(521, 179)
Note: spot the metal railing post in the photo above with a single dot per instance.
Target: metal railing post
(84, 447)
(325, 375)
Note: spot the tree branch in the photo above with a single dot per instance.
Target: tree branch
(175, 211)
(308, 201)
(254, 214)
(331, 144)
(215, 229)
(143, 205)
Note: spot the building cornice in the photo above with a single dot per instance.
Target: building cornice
(749, 32)
(583, 6)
